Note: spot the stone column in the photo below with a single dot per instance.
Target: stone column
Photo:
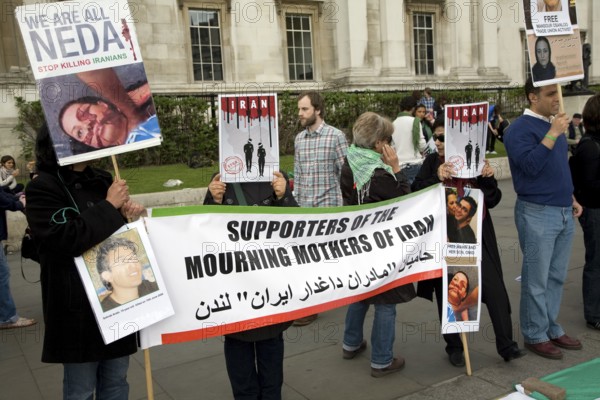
(462, 21)
(488, 16)
(256, 35)
(352, 38)
(594, 37)
(393, 38)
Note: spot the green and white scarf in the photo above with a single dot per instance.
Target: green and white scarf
(363, 163)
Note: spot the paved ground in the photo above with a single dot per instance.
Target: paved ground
(314, 368)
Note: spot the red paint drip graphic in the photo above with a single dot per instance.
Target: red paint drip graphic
(467, 115)
(127, 35)
(249, 110)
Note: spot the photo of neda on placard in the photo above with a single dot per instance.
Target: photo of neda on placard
(86, 60)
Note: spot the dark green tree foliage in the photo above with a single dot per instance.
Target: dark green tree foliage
(31, 118)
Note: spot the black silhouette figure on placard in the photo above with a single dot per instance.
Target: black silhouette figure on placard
(262, 154)
(477, 151)
(469, 152)
(248, 151)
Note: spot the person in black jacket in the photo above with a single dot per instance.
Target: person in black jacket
(585, 168)
(254, 358)
(69, 210)
(371, 173)
(435, 170)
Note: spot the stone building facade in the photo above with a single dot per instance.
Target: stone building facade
(214, 46)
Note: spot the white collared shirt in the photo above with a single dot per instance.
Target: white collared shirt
(536, 115)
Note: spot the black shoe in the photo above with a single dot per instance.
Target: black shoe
(457, 359)
(513, 353)
(593, 325)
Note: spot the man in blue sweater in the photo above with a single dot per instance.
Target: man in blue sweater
(544, 214)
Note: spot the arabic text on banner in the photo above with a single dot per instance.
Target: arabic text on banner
(234, 268)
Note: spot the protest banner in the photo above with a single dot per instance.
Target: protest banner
(123, 283)
(462, 265)
(248, 138)
(553, 41)
(232, 268)
(86, 60)
(466, 134)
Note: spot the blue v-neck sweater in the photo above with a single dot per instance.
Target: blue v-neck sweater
(540, 175)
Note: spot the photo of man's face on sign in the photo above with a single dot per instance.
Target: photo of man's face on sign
(120, 270)
(461, 217)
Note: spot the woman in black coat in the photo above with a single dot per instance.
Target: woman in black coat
(433, 171)
(254, 358)
(69, 210)
(371, 173)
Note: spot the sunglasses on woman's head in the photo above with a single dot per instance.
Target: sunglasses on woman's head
(438, 137)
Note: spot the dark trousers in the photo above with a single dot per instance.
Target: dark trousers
(491, 140)
(495, 297)
(590, 223)
(255, 369)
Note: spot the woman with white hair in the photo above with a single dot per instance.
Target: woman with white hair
(371, 173)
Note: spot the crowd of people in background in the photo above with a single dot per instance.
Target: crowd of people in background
(386, 159)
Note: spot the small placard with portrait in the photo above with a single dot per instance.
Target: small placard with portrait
(123, 283)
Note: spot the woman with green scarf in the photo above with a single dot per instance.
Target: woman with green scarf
(370, 174)
(372, 170)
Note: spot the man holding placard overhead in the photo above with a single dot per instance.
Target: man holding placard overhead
(544, 213)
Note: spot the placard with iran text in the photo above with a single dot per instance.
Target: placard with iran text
(466, 134)
(93, 87)
(248, 138)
